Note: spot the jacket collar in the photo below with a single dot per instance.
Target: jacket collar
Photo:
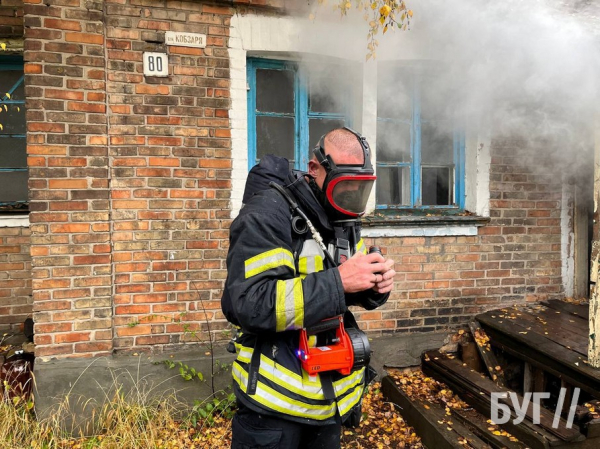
(307, 201)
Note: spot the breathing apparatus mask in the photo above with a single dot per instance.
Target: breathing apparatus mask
(346, 187)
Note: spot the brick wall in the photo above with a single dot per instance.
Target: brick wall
(15, 279)
(129, 176)
(444, 281)
(11, 19)
(169, 149)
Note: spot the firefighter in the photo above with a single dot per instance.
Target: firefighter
(283, 277)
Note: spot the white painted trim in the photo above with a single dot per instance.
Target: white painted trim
(425, 231)
(567, 239)
(14, 221)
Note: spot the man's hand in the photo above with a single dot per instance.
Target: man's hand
(362, 272)
(387, 278)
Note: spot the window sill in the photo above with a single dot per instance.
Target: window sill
(14, 221)
(422, 226)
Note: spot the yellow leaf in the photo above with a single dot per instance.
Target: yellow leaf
(374, 5)
(385, 28)
(3, 46)
(410, 13)
(381, 19)
(7, 95)
(385, 10)
(1, 127)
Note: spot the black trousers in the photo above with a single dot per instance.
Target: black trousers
(251, 430)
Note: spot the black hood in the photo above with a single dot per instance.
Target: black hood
(307, 201)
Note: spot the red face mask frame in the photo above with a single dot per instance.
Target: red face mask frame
(350, 177)
(344, 172)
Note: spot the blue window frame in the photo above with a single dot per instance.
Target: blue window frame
(420, 150)
(13, 151)
(290, 107)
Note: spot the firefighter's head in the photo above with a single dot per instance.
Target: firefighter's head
(342, 174)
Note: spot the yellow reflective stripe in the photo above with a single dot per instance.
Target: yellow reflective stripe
(350, 401)
(268, 260)
(245, 354)
(310, 264)
(360, 247)
(278, 402)
(289, 305)
(271, 371)
(342, 385)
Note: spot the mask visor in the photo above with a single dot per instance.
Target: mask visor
(349, 194)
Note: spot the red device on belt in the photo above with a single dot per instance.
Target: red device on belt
(338, 355)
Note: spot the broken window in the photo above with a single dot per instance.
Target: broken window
(13, 152)
(291, 105)
(420, 149)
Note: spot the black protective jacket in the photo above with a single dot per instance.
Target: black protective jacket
(278, 282)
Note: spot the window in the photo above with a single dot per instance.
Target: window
(420, 151)
(291, 105)
(13, 152)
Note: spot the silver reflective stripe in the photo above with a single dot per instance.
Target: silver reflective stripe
(289, 305)
(350, 400)
(343, 385)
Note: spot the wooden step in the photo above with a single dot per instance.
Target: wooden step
(431, 422)
(476, 390)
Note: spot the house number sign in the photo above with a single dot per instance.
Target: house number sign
(156, 64)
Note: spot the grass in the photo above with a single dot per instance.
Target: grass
(136, 421)
(127, 418)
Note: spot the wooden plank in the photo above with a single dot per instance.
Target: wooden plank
(558, 369)
(592, 429)
(531, 438)
(479, 425)
(425, 421)
(563, 320)
(579, 310)
(489, 359)
(550, 327)
(485, 386)
(541, 345)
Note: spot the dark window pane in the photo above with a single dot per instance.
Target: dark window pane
(327, 90)
(275, 135)
(393, 186)
(319, 127)
(437, 186)
(275, 91)
(8, 78)
(14, 186)
(437, 144)
(12, 119)
(13, 153)
(394, 93)
(393, 142)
